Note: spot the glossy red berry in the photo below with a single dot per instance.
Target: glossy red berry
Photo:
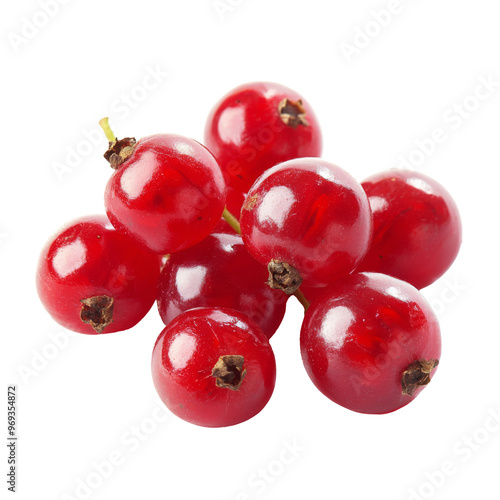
(256, 126)
(234, 201)
(417, 228)
(370, 343)
(167, 191)
(313, 293)
(92, 279)
(219, 272)
(213, 367)
(309, 220)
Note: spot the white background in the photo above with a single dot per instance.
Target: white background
(93, 399)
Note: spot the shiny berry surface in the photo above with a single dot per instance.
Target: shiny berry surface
(370, 343)
(234, 201)
(168, 195)
(417, 228)
(313, 293)
(310, 214)
(92, 279)
(213, 367)
(256, 126)
(219, 272)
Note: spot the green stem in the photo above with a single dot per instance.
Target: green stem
(231, 220)
(104, 123)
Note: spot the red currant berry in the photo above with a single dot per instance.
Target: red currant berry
(306, 219)
(417, 229)
(167, 191)
(92, 279)
(313, 293)
(370, 343)
(213, 367)
(219, 272)
(234, 201)
(256, 126)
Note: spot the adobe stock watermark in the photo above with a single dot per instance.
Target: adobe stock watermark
(463, 450)
(32, 25)
(451, 290)
(389, 353)
(44, 356)
(266, 135)
(264, 308)
(224, 7)
(367, 32)
(130, 441)
(120, 109)
(264, 477)
(453, 118)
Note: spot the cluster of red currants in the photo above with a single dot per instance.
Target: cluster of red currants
(359, 253)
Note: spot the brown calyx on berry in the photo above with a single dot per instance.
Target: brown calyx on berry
(229, 372)
(283, 276)
(292, 113)
(417, 375)
(119, 151)
(97, 311)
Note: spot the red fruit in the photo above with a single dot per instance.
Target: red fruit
(417, 228)
(213, 367)
(370, 343)
(310, 215)
(92, 279)
(313, 293)
(234, 201)
(256, 126)
(219, 272)
(167, 191)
